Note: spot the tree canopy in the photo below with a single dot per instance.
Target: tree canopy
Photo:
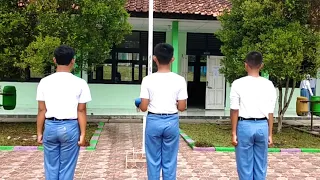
(281, 31)
(30, 30)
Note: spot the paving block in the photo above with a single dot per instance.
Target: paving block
(310, 150)
(40, 148)
(291, 150)
(93, 141)
(225, 149)
(190, 141)
(183, 134)
(25, 148)
(90, 148)
(97, 132)
(101, 123)
(204, 149)
(94, 138)
(274, 150)
(6, 148)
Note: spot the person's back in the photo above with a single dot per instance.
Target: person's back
(62, 91)
(313, 85)
(254, 95)
(306, 88)
(162, 94)
(252, 103)
(62, 99)
(163, 91)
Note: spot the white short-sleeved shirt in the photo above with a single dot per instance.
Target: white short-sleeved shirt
(313, 83)
(305, 84)
(163, 90)
(62, 92)
(254, 97)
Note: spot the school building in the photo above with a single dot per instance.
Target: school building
(189, 26)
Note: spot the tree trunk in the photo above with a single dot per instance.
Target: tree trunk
(283, 105)
(280, 116)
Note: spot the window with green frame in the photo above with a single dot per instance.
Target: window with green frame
(128, 62)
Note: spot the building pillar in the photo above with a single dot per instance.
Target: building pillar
(175, 43)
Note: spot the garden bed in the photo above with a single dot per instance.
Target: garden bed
(25, 134)
(213, 135)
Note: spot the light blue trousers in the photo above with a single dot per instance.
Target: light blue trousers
(252, 149)
(162, 146)
(61, 150)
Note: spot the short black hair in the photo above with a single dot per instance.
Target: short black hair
(164, 53)
(64, 55)
(254, 59)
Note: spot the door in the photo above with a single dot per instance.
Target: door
(184, 68)
(215, 88)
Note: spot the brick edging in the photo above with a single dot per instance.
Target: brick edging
(92, 147)
(191, 143)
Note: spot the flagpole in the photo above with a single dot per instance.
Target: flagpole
(150, 61)
(150, 38)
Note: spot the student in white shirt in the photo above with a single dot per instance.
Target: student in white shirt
(305, 88)
(163, 94)
(313, 85)
(252, 101)
(62, 99)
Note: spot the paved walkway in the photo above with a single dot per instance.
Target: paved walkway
(108, 161)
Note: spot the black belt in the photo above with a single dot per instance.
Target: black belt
(55, 119)
(162, 113)
(251, 119)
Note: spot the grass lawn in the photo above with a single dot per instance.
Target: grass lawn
(206, 135)
(24, 134)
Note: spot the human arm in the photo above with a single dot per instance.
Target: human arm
(41, 112)
(273, 100)
(144, 95)
(182, 96)
(309, 87)
(84, 98)
(40, 120)
(234, 112)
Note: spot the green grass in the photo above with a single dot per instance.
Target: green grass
(206, 135)
(24, 134)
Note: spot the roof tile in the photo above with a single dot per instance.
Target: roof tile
(203, 7)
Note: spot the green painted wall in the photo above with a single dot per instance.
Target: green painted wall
(105, 96)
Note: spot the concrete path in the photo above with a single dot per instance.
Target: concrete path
(108, 161)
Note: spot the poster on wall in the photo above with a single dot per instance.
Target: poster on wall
(216, 72)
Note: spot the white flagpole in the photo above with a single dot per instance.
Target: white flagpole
(150, 38)
(150, 61)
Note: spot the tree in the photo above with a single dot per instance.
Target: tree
(38, 55)
(279, 29)
(314, 17)
(92, 27)
(15, 36)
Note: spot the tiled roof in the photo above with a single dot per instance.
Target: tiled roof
(198, 7)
